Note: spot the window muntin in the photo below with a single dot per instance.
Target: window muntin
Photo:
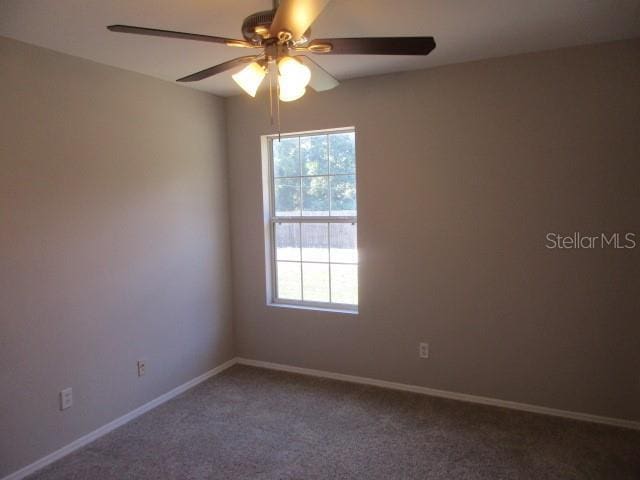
(313, 219)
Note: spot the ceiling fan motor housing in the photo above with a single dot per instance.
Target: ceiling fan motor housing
(256, 26)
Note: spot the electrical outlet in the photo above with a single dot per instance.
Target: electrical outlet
(423, 350)
(141, 367)
(66, 398)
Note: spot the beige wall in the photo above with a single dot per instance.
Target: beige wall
(113, 244)
(462, 171)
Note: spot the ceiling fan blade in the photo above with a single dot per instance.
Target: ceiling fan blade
(222, 67)
(321, 80)
(182, 35)
(296, 16)
(374, 46)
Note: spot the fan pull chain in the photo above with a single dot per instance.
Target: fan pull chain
(278, 117)
(270, 74)
(278, 108)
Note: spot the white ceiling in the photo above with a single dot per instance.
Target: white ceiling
(464, 30)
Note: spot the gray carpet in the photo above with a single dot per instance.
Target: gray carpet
(249, 423)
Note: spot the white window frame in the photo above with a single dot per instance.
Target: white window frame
(270, 221)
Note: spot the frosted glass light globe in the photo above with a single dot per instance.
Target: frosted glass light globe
(250, 78)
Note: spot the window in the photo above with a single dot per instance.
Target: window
(311, 219)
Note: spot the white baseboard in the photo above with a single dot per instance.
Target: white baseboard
(587, 417)
(90, 437)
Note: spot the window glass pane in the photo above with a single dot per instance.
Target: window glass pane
(315, 277)
(343, 195)
(314, 176)
(286, 161)
(287, 193)
(342, 153)
(315, 196)
(288, 241)
(315, 242)
(313, 154)
(344, 284)
(289, 284)
(344, 243)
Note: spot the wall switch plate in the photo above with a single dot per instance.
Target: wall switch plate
(423, 351)
(66, 398)
(141, 367)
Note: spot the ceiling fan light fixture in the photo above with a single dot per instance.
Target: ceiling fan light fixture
(250, 77)
(294, 71)
(289, 91)
(292, 79)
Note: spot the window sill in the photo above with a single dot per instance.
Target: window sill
(313, 308)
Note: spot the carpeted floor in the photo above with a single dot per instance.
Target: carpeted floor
(249, 423)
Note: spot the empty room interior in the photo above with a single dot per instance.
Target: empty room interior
(319, 239)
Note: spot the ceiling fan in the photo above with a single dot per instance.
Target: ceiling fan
(282, 37)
